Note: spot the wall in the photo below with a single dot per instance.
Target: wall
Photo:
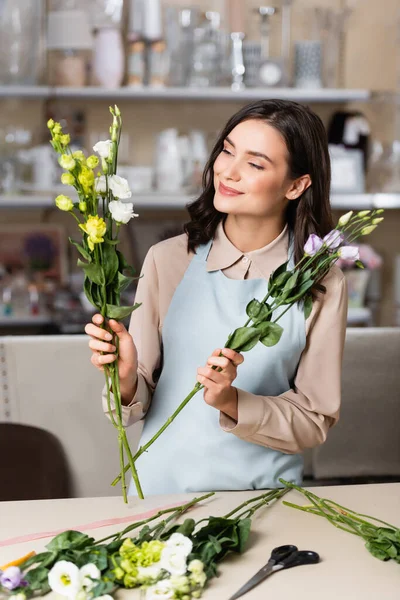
(369, 61)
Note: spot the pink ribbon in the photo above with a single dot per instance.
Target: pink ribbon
(95, 525)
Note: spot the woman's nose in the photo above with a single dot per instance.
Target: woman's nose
(232, 171)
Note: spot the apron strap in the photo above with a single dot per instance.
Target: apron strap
(203, 251)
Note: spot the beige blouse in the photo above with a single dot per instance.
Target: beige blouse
(298, 419)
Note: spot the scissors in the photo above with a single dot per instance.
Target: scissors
(282, 557)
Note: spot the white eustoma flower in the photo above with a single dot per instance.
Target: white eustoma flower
(119, 187)
(349, 253)
(149, 574)
(121, 212)
(101, 184)
(89, 575)
(178, 540)
(173, 560)
(103, 148)
(163, 590)
(105, 597)
(64, 579)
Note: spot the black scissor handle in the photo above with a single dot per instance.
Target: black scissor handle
(300, 557)
(279, 553)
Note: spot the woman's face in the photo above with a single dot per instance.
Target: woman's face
(251, 172)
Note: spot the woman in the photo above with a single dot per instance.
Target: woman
(265, 190)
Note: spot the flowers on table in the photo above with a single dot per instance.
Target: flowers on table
(289, 287)
(382, 539)
(100, 211)
(164, 558)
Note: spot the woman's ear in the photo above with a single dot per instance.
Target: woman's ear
(298, 187)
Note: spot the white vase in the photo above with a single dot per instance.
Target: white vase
(109, 58)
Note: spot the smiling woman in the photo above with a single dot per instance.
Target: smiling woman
(265, 191)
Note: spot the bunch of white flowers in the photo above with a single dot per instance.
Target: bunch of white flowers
(67, 580)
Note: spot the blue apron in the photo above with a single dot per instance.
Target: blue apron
(194, 454)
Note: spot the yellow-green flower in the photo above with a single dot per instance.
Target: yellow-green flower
(95, 228)
(376, 221)
(367, 230)
(65, 139)
(78, 155)
(363, 213)
(119, 573)
(57, 128)
(50, 124)
(82, 206)
(67, 162)
(64, 203)
(130, 581)
(86, 179)
(67, 179)
(92, 161)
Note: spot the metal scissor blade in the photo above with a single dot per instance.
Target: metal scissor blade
(255, 580)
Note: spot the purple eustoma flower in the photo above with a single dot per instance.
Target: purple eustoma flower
(334, 239)
(11, 578)
(313, 244)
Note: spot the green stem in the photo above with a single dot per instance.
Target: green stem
(176, 510)
(144, 448)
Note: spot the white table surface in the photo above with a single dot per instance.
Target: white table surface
(346, 571)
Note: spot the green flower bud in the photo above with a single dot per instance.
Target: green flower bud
(363, 213)
(65, 139)
(50, 124)
(378, 220)
(82, 206)
(367, 230)
(345, 219)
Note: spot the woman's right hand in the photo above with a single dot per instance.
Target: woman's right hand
(101, 341)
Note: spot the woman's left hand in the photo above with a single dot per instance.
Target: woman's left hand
(218, 390)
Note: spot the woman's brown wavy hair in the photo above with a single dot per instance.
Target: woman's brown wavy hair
(306, 141)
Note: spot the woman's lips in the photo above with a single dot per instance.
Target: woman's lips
(227, 191)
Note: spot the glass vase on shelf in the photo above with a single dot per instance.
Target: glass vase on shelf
(22, 46)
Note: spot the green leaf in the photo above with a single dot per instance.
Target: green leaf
(81, 250)
(243, 339)
(120, 312)
(98, 556)
(69, 540)
(93, 271)
(359, 264)
(110, 263)
(244, 526)
(36, 577)
(270, 333)
(112, 242)
(275, 274)
(123, 282)
(91, 291)
(123, 264)
(257, 311)
(308, 304)
(45, 559)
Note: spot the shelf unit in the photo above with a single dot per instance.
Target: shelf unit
(171, 201)
(185, 93)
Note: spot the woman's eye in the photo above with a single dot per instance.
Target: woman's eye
(226, 151)
(258, 167)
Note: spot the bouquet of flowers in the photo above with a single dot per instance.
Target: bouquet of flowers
(164, 559)
(287, 287)
(99, 211)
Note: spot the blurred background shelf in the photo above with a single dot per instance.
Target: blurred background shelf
(185, 93)
(173, 201)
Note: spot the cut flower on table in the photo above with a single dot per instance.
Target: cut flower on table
(163, 558)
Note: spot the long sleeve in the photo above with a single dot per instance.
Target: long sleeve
(145, 330)
(301, 417)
